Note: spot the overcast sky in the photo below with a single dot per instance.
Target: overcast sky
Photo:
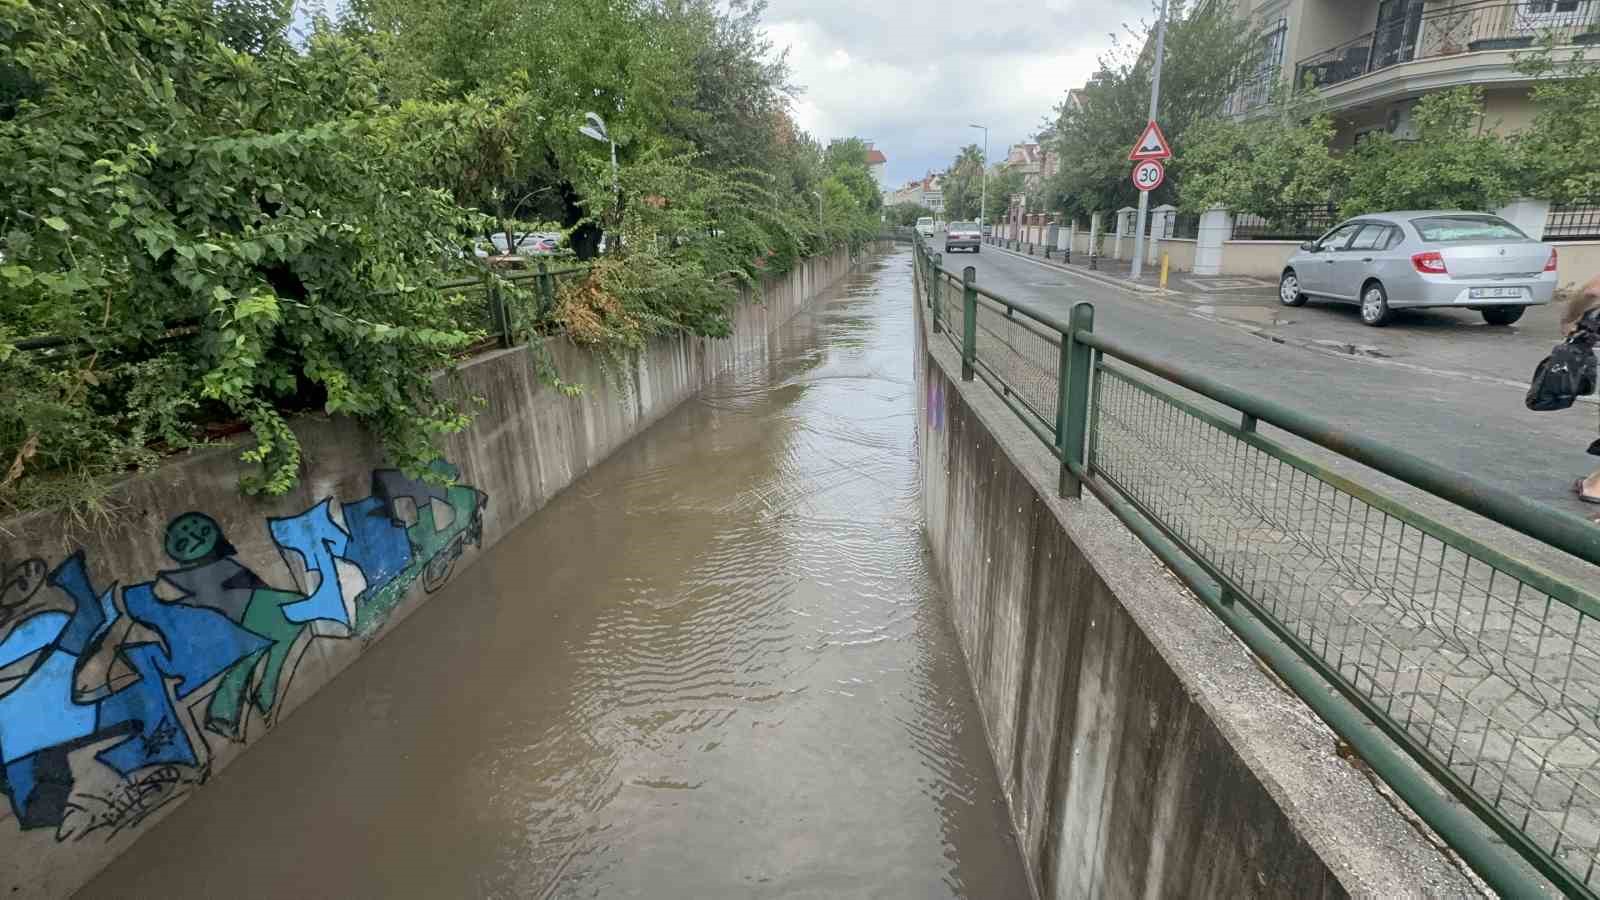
(911, 77)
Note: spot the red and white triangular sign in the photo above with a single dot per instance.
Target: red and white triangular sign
(1152, 144)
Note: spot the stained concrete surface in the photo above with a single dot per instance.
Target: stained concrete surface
(717, 665)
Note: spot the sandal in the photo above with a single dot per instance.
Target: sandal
(1577, 488)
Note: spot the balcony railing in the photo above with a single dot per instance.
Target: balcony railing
(1450, 30)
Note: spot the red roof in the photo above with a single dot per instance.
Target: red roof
(876, 156)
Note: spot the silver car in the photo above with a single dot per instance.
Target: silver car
(1409, 260)
(963, 236)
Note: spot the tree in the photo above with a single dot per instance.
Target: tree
(740, 85)
(905, 214)
(292, 228)
(1004, 183)
(846, 160)
(1208, 54)
(1269, 161)
(277, 219)
(1560, 147)
(963, 184)
(1455, 162)
(253, 26)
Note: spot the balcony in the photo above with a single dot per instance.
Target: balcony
(1438, 31)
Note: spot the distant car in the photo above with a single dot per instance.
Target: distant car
(925, 226)
(526, 243)
(1424, 258)
(963, 236)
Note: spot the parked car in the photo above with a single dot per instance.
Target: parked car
(963, 236)
(526, 243)
(925, 226)
(1423, 258)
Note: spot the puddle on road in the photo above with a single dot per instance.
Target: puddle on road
(1254, 315)
(717, 666)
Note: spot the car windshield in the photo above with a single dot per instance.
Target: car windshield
(924, 221)
(1444, 229)
(964, 226)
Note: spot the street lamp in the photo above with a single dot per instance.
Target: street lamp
(819, 212)
(596, 129)
(983, 203)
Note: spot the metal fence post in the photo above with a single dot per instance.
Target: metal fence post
(938, 292)
(547, 290)
(1072, 399)
(498, 313)
(969, 321)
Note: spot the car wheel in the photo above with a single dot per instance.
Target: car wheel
(977, 249)
(1502, 315)
(1289, 293)
(1375, 309)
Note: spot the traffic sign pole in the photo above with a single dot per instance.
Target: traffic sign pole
(1155, 98)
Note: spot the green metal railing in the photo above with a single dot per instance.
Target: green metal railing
(1445, 654)
(481, 304)
(501, 317)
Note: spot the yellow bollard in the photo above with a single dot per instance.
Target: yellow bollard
(1164, 260)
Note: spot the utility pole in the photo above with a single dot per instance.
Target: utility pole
(1155, 98)
(983, 202)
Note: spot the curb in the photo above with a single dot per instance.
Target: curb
(1111, 280)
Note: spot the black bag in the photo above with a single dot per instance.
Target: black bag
(1565, 375)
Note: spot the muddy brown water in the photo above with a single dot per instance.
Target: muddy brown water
(719, 665)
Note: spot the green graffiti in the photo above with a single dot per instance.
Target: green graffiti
(264, 616)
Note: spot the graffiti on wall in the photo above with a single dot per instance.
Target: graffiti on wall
(110, 696)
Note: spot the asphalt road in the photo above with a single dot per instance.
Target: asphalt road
(1441, 385)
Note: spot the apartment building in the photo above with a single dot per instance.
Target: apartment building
(1371, 60)
(1037, 161)
(878, 165)
(925, 191)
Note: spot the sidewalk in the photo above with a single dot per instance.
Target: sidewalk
(1119, 273)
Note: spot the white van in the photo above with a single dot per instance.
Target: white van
(925, 226)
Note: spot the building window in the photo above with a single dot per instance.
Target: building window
(1257, 87)
(1272, 42)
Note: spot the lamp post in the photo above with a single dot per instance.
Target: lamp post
(983, 202)
(819, 212)
(596, 129)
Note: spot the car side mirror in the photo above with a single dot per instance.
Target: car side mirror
(1310, 247)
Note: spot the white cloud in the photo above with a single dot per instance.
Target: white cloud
(912, 77)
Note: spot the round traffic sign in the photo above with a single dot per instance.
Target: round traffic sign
(1148, 175)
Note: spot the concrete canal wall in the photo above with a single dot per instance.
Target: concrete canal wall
(141, 654)
(1142, 750)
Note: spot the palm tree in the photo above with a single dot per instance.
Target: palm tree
(963, 183)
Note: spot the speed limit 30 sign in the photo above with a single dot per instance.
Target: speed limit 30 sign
(1148, 175)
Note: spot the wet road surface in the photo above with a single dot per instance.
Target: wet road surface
(1447, 387)
(1474, 425)
(719, 665)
